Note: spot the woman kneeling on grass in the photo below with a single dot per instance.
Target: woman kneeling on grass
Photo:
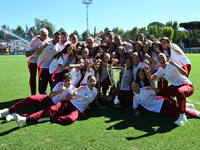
(65, 111)
(181, 86)
(147, 98)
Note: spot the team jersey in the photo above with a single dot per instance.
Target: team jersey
(54, 64)
(127, 78)
(35, 43)
(180, 58)
(172, 75)
(62, 96)
(84, 98)
(65, 60)
(135, 69)
(62, 46)
(46, 57)
(76, 76)
(148, 100)
(87, 74)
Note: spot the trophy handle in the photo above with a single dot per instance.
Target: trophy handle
(123, 76)
(109, 74)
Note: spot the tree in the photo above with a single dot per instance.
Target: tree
(106, 30)
(194, 25)
(118, 31)
(44, 24)
(61, 30)
(174, 25)
(84, 36)
(158, 24)
(193, 28)
(20, 31)
(142, 30)
(133, 34)
(126, 35)
(168, 32)
(153, 30)
(4, 33)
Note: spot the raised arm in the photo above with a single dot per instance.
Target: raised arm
(149, 76)
(181, 70)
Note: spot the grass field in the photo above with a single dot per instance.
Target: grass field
(97, 129)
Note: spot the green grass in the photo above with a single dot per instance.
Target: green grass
(97, 129)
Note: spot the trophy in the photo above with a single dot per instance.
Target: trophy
(114, 76)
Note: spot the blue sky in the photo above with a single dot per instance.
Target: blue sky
(71, 14)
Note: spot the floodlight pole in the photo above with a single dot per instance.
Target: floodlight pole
(87, 3)
(87, 20)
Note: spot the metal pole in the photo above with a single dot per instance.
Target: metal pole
(87, 20)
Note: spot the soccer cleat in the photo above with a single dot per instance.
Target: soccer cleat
(190, 106)
(181, 120)
(44, 119)
(10, 117)
(21, 121)
(4, 112)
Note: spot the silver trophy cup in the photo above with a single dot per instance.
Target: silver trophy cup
(116, 80)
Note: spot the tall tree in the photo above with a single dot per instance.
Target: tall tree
(84, 36)
(133, 33)
(20, 31)
(158, 24)
(44, 24)
(61, 30)
(153, 30)
(168, 32)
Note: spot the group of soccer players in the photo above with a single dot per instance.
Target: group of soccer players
(78, 74)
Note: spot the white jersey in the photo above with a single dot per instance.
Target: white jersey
(62, 46)
(127, 78)
(62, 96)
(54, 64)
(178, 57)
(135, 69)
(76, 76)
(87, 74)
(84, 98)
(148, 100)
(64, 60)
(46, 57)
(35, 43)
(172, 75)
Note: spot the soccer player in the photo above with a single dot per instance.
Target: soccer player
(174, 52)
(181, 86)
(36, 44)
(147, 98)
(65, 112)
(63, 40)
(58, 94)
(44, 60)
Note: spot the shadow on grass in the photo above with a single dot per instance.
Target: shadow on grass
(149, 122)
